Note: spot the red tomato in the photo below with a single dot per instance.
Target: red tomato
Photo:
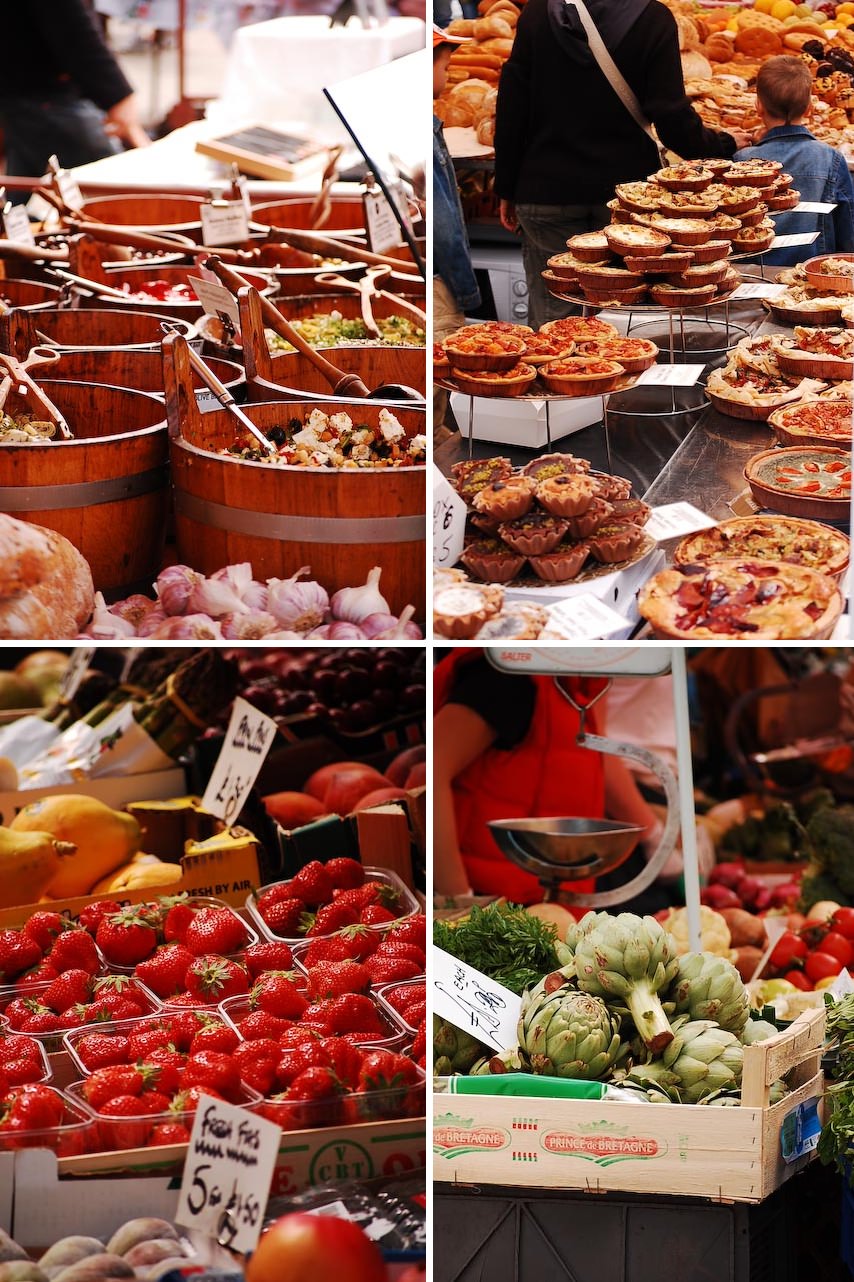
(838, 946)
(842, 922)
(789, 948)
(320, 1247)
(799, 979)
(821, 965)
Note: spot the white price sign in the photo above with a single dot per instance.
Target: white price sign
(78, 666)
(765, 289)
(471, 1001)
(449, 521)
(206, 401)
(68, 189)
(674, 520)
(670, 375)
(381, 224)
(813, 207)
(802, 238)
(216, 299)
(16, 224)
(584, 618)
(227, 1173)
(224, 223)
(248, 739)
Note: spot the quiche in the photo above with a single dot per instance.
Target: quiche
(753, 173)
(541, 348)
(641, 197)
(486, 382)
(817, 352)
(484, 350)
(818, 422)
(580, 328)
(767, 538)
(746, 384)
(589, 247)
(632, 239)
(685, 231)
(741, 598)
(684, 177)
(581, 376)
(634, 354)
(802, 481)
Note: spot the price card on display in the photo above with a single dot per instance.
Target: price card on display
(674, 520)
(248, 739)
(471, 1001)
(230, 1161)
(78, 665)
(762, 289)
(16, 224)
(813, 207)
(402, 202)
(215, 299)
(380, 222)
(449, 522)
(206, 401)
(68, 189)
(802, 238)
(670, 375)
(585, 618)
(224, 222)
(842, 986)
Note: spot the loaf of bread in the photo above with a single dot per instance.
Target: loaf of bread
(46, 590)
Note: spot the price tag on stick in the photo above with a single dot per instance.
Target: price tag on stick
(230, 1161)
(248, 739)
(473, 1002)
(78, 666)
(16, 224)
(216, 299)
(224, 222)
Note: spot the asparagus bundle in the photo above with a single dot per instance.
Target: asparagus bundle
(188, 701)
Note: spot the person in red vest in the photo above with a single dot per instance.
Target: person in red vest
(504, 746)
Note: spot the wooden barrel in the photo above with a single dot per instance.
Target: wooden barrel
(107, 491)
(73, 328)
(135, 279)
(141, 371)
(340, 523)
(345, 215)
(147, 212)
(28, 293)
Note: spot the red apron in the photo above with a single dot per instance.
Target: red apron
(545, 775)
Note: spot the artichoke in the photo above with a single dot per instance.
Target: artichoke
(453, 1050)
(505, 1062)
(710, 987)
(565, 1033)
(627, 961)
(701, 1060)
(757, 1030)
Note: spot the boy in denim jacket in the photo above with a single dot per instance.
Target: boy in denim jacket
(819, 172)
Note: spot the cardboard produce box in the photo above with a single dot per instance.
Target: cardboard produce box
(113, 790)
(726, 1154)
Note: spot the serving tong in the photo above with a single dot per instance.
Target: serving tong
(16, 377)
(367, 289)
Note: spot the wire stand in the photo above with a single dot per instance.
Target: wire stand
(696, 394)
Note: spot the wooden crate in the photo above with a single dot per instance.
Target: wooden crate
(725, 1154)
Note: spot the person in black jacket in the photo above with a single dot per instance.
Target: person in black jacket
(564, 139)
(62, 91)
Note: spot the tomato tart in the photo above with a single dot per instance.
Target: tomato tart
(822, 352)
(767, 538)
(810, 481)
(490, 350)
(634, 354)
(581, 376)
(580, 328)
(504, 383)
(819, 422)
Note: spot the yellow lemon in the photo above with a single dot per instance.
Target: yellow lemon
(827, 982)
(763, 6)
(732, 24)
(843, 19)
(782, 9)
(845, 8)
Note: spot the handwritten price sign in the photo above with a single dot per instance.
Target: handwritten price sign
(248, 739)
(473, 1002)
(229, 1166)
(449, 521)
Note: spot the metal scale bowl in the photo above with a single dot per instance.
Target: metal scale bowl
(558, 850)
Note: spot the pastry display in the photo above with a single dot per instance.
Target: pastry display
(483, 350)
(505, 500)
(767, 538)
(752, 385)
(812, 481)
(581, 376)
(633, 354)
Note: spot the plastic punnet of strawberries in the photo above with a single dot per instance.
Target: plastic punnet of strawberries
(324, 898)
(35, 1115)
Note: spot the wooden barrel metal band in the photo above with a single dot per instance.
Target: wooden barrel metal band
(301, 529)
(53, 498)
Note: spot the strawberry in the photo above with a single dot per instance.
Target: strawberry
(154, 1101)
(331, 949)
(215, 930)
(346, 874)
(17, 1047)
(17, 953)
(330, 918)
(101, 1050)
(261, 1024)
(186, 1102)
(19, 1071)
(361, 941)
(112, 1007)
(277, 994)
(43, 1020)
(298, 1036)
(34, 1107)
(354, 1013)
(344, 1060)
(118, 1134)
(372, 892)
(376, 915)
(146, 1038)
(315, 1095)
(125, 937)
(402, 996)
(75, 949)
(312, 884)
(71, 987)
(212, 1069)
(331, 979)
(269, 955)
(92, 915)
(183, 1026)
(415, 1012)
(410, 930)
(178, 918)
(388, 970)
(294, 1061)
(169, 1133)
(165, 1067)
(398, 948)
(44, 973)
(116, 1080)
(216, 1037)
(384, 1070)
(42, 928)
(284, 917)
(75, 1016)
(211, 979)
(165, 970)
(274, 895)
(419, 1045)
(257, 1063)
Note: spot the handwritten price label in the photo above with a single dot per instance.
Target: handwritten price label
(249, 738)
(229, 1167)
(473, 1002)
(584, 618)
(802, 238)
(671, 375)
(68, 189)
(215, 299)
(225, 223)
(449, 522)
(78, 665)
(674, 520)
(16, 224)
(764, 289)
(380, 223)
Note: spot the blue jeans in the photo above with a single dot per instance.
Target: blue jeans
(545, 231)
(36, 128)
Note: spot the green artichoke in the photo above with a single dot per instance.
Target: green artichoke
(453, 1050)
(710, 987)
(757, 1030)
(627, 960)
(701, 1060)
(505, 1062)
(577, 931)
(565, 1033)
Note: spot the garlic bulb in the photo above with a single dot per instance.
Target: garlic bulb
(387, 627)
(152, 621)
(239, 577)
(106, 626)
(249, 626)
(191, 627)
(132, 610)
(297, 606)
(215, 597)
(173, 587)
(352, 605)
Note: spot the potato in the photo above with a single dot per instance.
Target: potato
(745, 929)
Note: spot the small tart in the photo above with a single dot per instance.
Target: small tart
(661, 264)
(783, 183)
(752, 173)
(568, 265)
(634, 354)
(589, 247)
(687, 204)
(640, 197)
(605, 277)
(517, 621)
(753, 217)
(684, 177)
(580, 328)
(613, 487)
(581, 376)
(441, 364)
(718, 165)
(534, 534)
(567, 495)
(555, 465)
(494, 326)
(698, 275)
(724, 225)
(673, 296)
(737, 201)
(615, 541)
(562, 285)
(767, 538)
(542, 348)
(783, 200)
(563, 563)
(473, 475)
(492, 561)
(753, 240)
(607, 297)
(685, 231)
(619, 213)
(490, 350)
(461, 610)
(599, 512)
(482, 382)
(505, 500)
(447, 577)
(633, 510)
(628, 239)
(712, 252)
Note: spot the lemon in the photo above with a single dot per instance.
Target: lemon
(845, 8)
(782, 9)
(732, 24)
(843, 19)
(763, 6)
(827, 982)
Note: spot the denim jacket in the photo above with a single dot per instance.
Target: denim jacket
(820, 174)
(451, 258)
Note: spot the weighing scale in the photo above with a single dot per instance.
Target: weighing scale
(560, 849)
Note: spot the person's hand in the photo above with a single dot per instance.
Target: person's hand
(122, 121)
(742, 137)
(507, 214)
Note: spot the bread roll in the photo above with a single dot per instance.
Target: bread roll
(474, 56)
(486, 132)
(461, 27)
(46, 586)
(499, 45)
(460, 114)
(471, 90)
(695, 66)
(495, 25)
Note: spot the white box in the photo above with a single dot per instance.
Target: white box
(514, 421)
(114, 791)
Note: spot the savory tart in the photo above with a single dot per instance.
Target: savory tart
(777, 201)
(724, 225)
(684, 177)
(741, 598)
(589, 247)
(661, 264)
(600, 276)
(580, 328)
(492, 351)
(505, 500)
(581, 376)
(541, 348)
(640, 197)
(491, 560)
(745, 388)
(767, 538)
(642, 242)
(753, 217)
(830, 272)
(461, 610)
(472, 476)
(816, 352)
(555, 465)
(483, 382)
(733, 200)
(754, 240)
(685, 231)
(802, 481)
(615, 541)
(676, 297)
(494, 326)
(563, 563)
(699, 275)
(818, 422)
(534, 534)
(441, 364)
(517, 621)
(753, 173)
(712, 251)
(634, 354)
(610, 297)
(687, 204)
(567, 495)
(567, 266)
